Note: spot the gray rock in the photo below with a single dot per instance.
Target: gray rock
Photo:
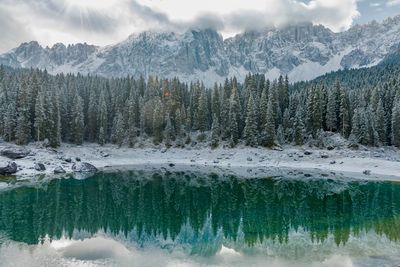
(249, 159)
(307, 153)
(59, 170)
(324, 155)
(367, 172)
(78, 159)
(15, 152)
(83, 167)
(104, 154)
(10, 168)
(40, 167)
(69, 160)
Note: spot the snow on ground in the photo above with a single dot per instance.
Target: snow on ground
(382, 163)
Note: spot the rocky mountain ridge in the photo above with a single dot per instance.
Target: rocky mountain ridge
(303, 51)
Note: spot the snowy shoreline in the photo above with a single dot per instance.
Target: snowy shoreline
(371, 163)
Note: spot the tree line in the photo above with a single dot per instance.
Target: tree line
(36, 106)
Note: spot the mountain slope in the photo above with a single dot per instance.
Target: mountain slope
(303, 52)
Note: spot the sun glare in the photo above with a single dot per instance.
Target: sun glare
(90, 4)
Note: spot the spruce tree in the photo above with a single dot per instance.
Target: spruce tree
(118, 129)
(345, 126)
(23, 131)
(250, 131)
(215, 132)
(201, 120)
(380, 122)
(40, 118)
(268, 132)
(299, 128)
(78, 123)
(102, 120)
(169, 133)
(396, 124)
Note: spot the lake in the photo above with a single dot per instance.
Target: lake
(137, 218)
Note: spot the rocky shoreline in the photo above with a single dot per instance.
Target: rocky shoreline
(35, 159)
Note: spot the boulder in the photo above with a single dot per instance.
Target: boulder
(307, 153)
(15, 152)
(59, 170)
(10, 168)
(40, 167)
(83, 167)
(323, 155)
(367, 172)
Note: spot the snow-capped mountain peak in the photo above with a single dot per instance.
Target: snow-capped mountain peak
(302, 51)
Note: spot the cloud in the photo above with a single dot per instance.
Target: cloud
(12, 31)
(393, 3)
(108, 21)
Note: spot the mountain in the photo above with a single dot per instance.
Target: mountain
(303, 51)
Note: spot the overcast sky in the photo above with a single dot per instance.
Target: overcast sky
(105, 22)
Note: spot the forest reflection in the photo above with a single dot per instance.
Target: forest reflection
(162, 204)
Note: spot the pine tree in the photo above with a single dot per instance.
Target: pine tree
(268, 133)
(131, 121)
(234, 117)
(333, 109)
(158, 123)
(169, 134)
(250, 131)
(345, 126)
(102, 120)
(118, 129)
(54, 132)
(23, 131)
(263, 107)
(299, 128)
(380, 122)
(216, 102)
(78, 123)
(201, 122)
(9, 123)
(396, 124)
(215, 132)
(40, 117)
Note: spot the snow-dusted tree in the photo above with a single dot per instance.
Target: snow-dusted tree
(23, 131)
(131, 122)
(268, 132)
(345, 126)
(77, 123)
(234, 117)
(102, 119)
(158, 122)
(118, 131)
(396, 124)
(40, 118)
(169, 133)
(332, 112)
(298, 127)
(201, 120)
(380, 122)
(250, 133)
(215, 132)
